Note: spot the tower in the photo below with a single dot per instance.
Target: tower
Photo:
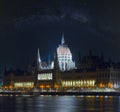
(64, 56)
(38, 60)
(56, 63)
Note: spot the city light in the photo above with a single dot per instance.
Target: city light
(45, 76)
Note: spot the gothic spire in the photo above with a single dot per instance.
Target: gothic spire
(79, 57)
(38, 60)
(38, 56)
(62, 41)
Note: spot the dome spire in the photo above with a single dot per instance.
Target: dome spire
(62, 41)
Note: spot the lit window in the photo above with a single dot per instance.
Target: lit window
(45, 76)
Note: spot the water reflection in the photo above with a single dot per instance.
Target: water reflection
(59, 103)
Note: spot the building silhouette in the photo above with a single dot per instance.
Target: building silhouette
(91, 72)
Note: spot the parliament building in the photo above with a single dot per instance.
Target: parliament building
(62, 74)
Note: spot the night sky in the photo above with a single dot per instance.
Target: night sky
(26, 25)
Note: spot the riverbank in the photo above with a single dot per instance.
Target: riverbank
(62, 93)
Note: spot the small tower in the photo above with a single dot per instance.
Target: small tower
(56, 73)
(38, 60)
(56, 63)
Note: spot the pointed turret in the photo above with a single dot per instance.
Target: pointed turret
(38, 56)
(49, 64)
(56, 63)
(38, 60)
(63, 40)
(79, 57)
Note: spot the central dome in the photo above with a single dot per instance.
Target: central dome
(63, 50)
(64, 56)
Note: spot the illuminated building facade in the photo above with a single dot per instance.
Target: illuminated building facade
(108, 77)
(62, 74)
(18, 80)
(65, 57)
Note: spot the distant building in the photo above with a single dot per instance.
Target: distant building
(64, 56)
(63, 74)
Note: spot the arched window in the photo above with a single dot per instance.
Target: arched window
(66, 66)
(62, 66)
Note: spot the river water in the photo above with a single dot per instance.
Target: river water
(59, 103)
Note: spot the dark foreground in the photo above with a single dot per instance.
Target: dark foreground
(62, 93)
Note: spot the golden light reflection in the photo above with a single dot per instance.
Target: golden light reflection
(42, 86)
(56, 86)
(48, 86)
(101, 85)
(110, 84)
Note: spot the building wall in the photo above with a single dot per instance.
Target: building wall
(17, 82)
(44, 79)
(74, 79)
(79, 80)
(108, 78)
